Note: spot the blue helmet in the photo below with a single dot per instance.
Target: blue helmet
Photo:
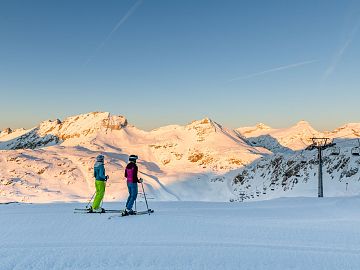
(100, 158)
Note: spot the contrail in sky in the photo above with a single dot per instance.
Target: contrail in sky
(274, 70)
(121, 22)
(338, 56)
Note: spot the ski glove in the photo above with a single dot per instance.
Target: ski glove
(141, 180)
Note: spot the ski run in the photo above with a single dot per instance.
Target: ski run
(286, 233)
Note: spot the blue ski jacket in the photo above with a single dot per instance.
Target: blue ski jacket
(99, 171)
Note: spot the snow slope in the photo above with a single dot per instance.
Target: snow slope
(287, 233)
(296, 175)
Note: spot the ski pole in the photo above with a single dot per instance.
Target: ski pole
(90, 200)
(147, 206)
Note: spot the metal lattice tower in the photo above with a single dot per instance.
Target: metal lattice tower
(321, 144)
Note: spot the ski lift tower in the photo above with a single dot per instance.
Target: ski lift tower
(321, 144)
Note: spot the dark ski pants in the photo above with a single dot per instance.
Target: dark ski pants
(133, 191)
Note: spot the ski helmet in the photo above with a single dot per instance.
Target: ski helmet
(133, 158)
(100, 158)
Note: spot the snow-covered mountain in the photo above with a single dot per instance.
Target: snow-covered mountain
(73, 130)
(199, 161)
(351, 130)
(54, 160)
(292, 170)
(282, 175)
(281, 140)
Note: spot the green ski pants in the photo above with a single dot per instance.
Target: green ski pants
(100, 192)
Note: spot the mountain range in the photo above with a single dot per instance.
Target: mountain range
(202, 160)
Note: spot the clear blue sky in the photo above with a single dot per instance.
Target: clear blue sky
(161, 62)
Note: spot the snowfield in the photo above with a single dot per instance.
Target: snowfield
(285, 233)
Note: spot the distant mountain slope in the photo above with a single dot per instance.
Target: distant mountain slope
(281, 140)
(351, 130)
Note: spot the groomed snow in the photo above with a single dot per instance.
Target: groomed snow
(286, 233)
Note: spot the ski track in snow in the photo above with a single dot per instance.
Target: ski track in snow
(287, 233)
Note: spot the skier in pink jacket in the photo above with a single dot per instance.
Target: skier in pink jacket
(131, 174)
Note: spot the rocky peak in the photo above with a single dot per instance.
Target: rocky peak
(303, 123)
(205, 124)
(262, 126)
(204, 121)
(204, 127)
(82, 125)
(257, 130)
(7, 131)
(46, 127)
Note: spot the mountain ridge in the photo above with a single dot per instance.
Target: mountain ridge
(196, 161)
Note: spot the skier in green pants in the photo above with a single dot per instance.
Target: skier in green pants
(100, 183)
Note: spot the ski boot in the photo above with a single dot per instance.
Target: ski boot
(128, 212)
(99, 210)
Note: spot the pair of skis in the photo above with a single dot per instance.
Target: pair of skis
(136, 213)
(121, 212)
(87, 211)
